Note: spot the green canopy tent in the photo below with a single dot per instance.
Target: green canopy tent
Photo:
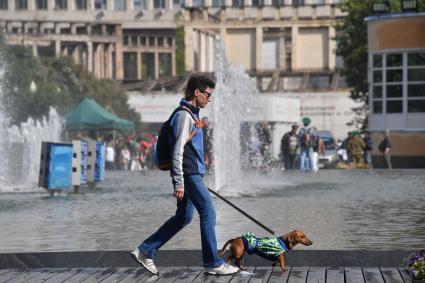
(89, 115)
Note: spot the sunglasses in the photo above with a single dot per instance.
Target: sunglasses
(208, 94)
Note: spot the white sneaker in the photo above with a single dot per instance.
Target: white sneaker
(146, 262)
(224, 269)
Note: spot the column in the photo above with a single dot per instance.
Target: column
(76, 55)
(31, 5)
(188, 50)
(118, 54)
(139, 65)
(109, 70)
(168, 5)
(109, 5)
(156, 65)
(71, 5)
(101, 58)
(202, 52)
(173, 62)
(57, 47)
(11, 5)
(130, 5)
(90, 56)
(149, 4)
(34, 50)
(282, 53)
(258, 48)
(332, 48)
(50, 5)
(294, 34)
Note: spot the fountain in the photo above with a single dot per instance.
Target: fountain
(20, 147)
(236, 102)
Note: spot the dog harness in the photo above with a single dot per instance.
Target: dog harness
(269, 247)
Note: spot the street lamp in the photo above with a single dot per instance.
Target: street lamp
(409, 5)
(381, 7)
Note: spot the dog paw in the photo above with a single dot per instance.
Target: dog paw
(284, 269)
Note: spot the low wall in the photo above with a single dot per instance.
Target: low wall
(319, 258)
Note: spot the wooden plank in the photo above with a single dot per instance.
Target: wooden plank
(372, 275)
(12, 273)
(136, 275)
(28, 275)
(278, 276)
(2, 271)
(354, 275)
(391, 275)
(170, 274)
(99, 275)
(43, 275)
(189, 274)
(118, 275)
(316, 275)
(243, 277)
(204, 277)
(334, 274)
(76, 273)
(405, 275)
(298, 275)
(261, 274)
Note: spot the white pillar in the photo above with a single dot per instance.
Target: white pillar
(90, 56)
(57, 47)
(258, 47)
(202, 52)
(294, 46)
(149, 4)
(332, 48)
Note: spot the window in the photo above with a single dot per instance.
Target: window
(21, 4)
(197, 3)
(158, 4)
(257, 3)
(297, 3)
(130, 65)
(81, 4)
(278, 2)
(139, 5)
(416, 82)
(120, 5)
(398, 83)
(3, 4)
(237, 3)
(217, 3)
(164, 64)
(100, 4)
(41, 4)
(148, 66)
(61, 4)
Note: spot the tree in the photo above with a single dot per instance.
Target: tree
(352, 46)
(59, 83)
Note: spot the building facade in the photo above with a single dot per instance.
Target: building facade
(116, 39)
(396, 44)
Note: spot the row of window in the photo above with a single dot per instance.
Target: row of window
(147, 65)
(121, 5)
(398, 82)
(150, 41)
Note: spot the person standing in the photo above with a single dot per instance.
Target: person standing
(367, 153)
(385, 147)
(306, 139)
(355, 146)
(187, 171)
(110, 156)
(288, 147)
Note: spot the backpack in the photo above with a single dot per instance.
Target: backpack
(382, 146)
(164, 149)
(305, 138)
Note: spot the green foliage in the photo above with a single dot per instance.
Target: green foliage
(352, 46)
(59, 83)
(180, 59)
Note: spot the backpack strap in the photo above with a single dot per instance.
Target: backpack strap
(198, 124)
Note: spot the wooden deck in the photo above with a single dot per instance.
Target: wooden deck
(196, 274)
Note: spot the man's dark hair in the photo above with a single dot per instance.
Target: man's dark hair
(200, 82)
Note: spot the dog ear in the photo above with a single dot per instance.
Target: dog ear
(291, 237)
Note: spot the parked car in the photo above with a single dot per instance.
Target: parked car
(330, 157)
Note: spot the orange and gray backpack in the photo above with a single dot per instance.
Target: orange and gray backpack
(164, 147)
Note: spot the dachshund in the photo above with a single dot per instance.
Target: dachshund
(272, 248)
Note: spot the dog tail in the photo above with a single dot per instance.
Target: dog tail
(225, 247)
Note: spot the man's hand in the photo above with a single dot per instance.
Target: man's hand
(179, 193)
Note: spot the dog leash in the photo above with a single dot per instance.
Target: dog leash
(243, 212)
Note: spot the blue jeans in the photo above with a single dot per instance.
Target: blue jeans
(196, 195)
(306, 158)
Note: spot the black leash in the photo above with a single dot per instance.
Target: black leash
(243, 212)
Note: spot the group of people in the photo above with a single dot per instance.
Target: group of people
(133, 153)
(301, 145)
(357, 149)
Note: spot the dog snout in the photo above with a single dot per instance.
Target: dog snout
(308, 242)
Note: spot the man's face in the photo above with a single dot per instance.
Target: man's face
(202, 97)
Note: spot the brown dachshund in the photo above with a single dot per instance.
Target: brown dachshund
(237, 248)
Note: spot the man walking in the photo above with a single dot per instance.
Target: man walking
(385, 147)
(306, 139)
(187, 173)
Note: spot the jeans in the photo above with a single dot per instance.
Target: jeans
(289, 159)
(306, 158)
(196, 195)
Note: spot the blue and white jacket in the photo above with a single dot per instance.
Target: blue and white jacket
(187, 157)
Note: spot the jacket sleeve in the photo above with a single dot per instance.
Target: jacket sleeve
(182, 128)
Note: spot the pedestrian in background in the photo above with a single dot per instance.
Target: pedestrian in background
(367, 153)
(288, 147)
(385, 147)
(306, 139)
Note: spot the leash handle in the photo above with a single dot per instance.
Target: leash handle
(243, 212)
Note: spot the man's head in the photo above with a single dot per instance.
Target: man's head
(294, 128)
(386, 133)
(306, 121)
(199, 90)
